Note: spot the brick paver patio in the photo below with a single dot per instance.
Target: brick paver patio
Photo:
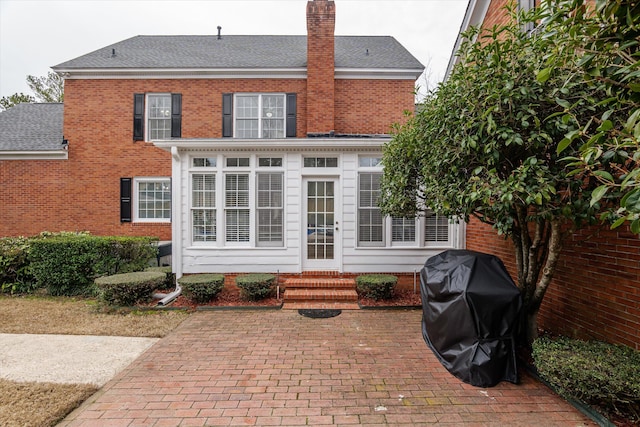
(277, 368)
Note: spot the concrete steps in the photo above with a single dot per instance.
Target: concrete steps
(320, 293)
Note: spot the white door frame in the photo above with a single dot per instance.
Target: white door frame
(335, 231)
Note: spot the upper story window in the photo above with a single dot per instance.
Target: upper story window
(157, 116)
(259, 115)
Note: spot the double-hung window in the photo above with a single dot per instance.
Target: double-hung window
(270, 208)
(203, 207)
(370, 219)
(157, 116)
(260, 116)
(236, 207)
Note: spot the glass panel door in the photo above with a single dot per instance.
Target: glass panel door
(321, 225)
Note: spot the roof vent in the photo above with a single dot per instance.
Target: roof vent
(113, 53)
(219, 32)
(366, 52)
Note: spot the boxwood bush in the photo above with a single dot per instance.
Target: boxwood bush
(376, 286)
(594, 372)
(170, 281)
(255, 287)
(67, 264)
(201, 288)
(15, 269)
(127, 289)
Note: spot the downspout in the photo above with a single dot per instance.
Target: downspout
(176, 219)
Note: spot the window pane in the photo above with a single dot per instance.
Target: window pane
(270, 208)
(208, 162)
(237, 225)
(370, 219)
(204, 225)
(154, 199)
(436, 228)
(403, 230)
(159, 117)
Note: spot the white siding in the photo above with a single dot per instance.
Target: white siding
(200, 258)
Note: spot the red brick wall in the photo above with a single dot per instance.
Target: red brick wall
(371, 106)
(595, 293)
(83, 192)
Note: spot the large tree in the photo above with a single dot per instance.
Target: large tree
(484, 144)
(16, 98)
(49, 88)
(608, 59)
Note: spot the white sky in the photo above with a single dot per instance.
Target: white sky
(38, 34)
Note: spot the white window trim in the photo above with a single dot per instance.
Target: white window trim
(259, 95)
(136, 199)
(147, 104)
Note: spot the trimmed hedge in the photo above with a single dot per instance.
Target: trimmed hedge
(127, 289)
(201, 288)
(255, 287)
(170, 281)
(68, 264)
(595, 372)
(15, 269)
(376, 286)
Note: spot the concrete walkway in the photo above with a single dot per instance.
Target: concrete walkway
(277, 368)
(67, 359)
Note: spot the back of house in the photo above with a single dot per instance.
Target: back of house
(248, 153)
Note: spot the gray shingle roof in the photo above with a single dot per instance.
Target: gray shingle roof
(31, 127)
(233, 51)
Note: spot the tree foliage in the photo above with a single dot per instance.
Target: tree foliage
(49, 88)
(15, 99)
(484, 144)
(607, 48)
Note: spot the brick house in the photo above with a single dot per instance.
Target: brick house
(595, 293)
(249, 153)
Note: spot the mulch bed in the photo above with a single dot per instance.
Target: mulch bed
(230, 297)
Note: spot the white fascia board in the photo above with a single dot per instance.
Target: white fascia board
(377, 74)
(34, 155)
(183, 73)
(269, 145)
(233, 73)
(473, 17)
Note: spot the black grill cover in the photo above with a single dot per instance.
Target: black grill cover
(470, 309)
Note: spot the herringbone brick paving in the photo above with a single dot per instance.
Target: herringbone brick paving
(277, 368)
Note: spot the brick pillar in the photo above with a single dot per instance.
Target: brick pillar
(321, 22)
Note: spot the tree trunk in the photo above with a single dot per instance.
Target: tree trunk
(531, 320)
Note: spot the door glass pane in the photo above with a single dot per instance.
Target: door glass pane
(320, 220)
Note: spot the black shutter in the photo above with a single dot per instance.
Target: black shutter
(291, 115)
(176, 115)
(138, 116)
(125, 199)
(227, 115)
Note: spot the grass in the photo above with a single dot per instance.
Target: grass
(45, 404)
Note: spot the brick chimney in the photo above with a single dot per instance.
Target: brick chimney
(321, 23)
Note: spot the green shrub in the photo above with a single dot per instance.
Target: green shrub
(15, 270)
(597, 373)
(170, 281)
(201, 288)
(127, 289)
(376, 286)
(254, 287)
(67, 263)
